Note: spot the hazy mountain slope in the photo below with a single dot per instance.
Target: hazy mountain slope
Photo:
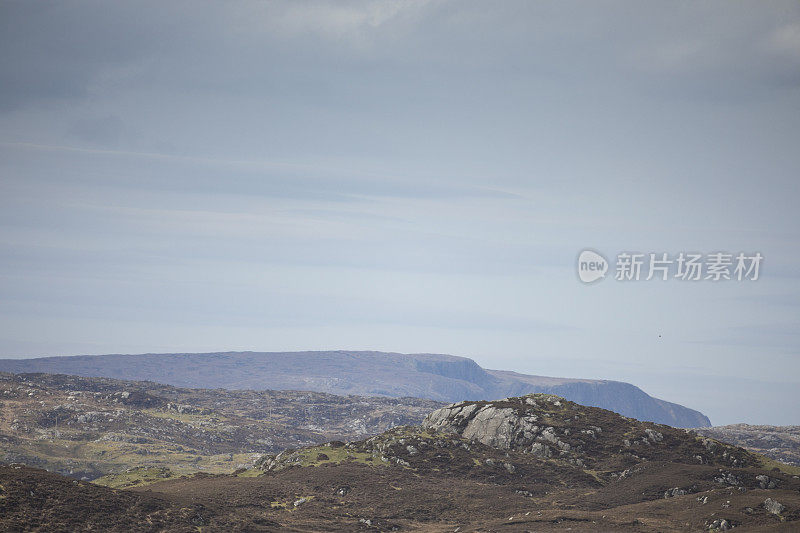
(617, 396)
(439, 377)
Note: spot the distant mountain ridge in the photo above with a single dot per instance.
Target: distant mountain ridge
(439, 377)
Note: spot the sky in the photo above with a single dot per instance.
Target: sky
(408, 176)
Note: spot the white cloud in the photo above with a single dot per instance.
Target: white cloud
(786, 40)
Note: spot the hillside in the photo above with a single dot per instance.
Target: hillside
(778, 442)
(92, 427)
(438, 377)
(533, 463)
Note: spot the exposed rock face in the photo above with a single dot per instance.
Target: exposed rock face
(498, 427)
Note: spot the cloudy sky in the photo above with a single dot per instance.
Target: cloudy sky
(408, 176)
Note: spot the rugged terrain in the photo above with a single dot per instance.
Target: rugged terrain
(438, 377)
(778, 442)
(534, 463)
(92, 427)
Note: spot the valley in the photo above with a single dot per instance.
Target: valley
(91, 427)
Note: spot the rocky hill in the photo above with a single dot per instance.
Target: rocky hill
(92, 427)
(778, 442)
(438, 377)
(539, 463)
(533, 463)
(545, 427)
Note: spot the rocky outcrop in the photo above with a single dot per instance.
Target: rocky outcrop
(499, 427)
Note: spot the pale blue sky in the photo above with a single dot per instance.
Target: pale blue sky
(407, 176)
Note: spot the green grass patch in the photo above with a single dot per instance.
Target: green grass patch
(320, 455)
(289, 505)
(136, 477)
(184, 417)
(595, 474)
(115, 457)
(769, 464)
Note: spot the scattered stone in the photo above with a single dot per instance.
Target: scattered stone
(720, 524)
(765, 482)
(728, 478)
(674, 492)
(772, 506)
(541, 450)
(653, 435)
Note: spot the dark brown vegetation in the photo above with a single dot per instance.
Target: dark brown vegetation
(419, 479)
